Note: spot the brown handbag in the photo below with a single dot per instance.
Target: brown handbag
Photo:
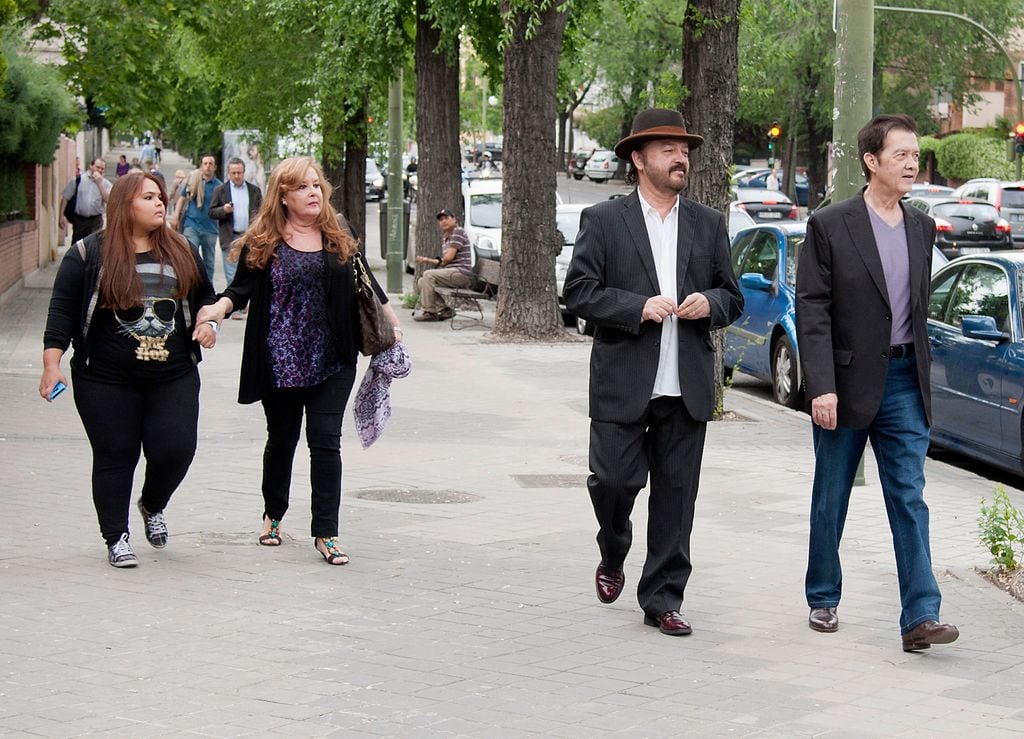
(375, 330)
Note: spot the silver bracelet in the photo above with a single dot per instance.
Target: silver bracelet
(214, 326)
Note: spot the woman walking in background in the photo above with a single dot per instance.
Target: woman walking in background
(126, 298)
(299, 352)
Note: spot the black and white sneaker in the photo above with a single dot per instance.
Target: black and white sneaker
(120, 553)
(156, 527)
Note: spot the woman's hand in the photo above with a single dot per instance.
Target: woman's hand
(51, 373)
(214, 312)
(205, 334)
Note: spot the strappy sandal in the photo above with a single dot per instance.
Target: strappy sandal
(333, 555)
(273, 537)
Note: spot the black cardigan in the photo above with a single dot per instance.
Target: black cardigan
(74, 298)
(253, 286)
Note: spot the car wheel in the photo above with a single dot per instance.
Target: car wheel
(786, 374)
(577, 177)
(584, 327)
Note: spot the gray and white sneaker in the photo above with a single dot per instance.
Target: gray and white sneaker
(120, 553)
(156, 527)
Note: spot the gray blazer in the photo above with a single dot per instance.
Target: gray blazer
(609, 280)
(843, 319)
(225, 221)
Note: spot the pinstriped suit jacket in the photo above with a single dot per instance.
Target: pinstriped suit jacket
(609, 280)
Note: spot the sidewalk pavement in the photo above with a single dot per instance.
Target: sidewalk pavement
(468, 608)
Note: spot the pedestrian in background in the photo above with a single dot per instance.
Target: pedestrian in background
(300, 347)
(193, 212)
(234, 206)
(861, 314)
(652, 272)
(122, 166)
(452, 269)
(172, 194)
(126, 299)
(89, 191)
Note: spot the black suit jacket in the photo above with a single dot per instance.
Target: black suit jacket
(225, 221)
(609, 280)
(843, 318)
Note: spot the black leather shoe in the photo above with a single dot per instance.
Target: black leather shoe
(924, 635)
(824, 620)
(670, 622)
(609, 583)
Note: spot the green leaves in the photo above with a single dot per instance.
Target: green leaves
(1002, 529)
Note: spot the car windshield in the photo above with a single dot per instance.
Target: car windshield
(485, 210)
(794, 242)
(569, 225)
(971, 211)
(1013, 197)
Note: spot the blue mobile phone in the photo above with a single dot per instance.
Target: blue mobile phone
(57, 390)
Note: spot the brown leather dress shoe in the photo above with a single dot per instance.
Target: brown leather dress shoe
(670, 622)
(924, 635)
(824, 620)
(609, 583)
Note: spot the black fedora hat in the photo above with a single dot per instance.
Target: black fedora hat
(656, 123)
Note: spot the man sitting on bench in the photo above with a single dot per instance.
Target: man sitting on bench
(452, 269)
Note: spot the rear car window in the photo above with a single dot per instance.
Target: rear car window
(972, 211)
(1013, 197)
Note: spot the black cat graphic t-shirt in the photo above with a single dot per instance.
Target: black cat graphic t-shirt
(147, 343)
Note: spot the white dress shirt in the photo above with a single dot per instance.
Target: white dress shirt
(239, 207)
(663, 235)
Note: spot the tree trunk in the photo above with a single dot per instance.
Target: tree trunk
(711, 73)
(527, 305)
(344, 164)
(439, 171)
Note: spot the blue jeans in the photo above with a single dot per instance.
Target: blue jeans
(229, 266)
(899, 438)
(206, 243)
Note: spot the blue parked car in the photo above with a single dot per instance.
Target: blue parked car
(759, 179)
(977, 346)
(763, 341)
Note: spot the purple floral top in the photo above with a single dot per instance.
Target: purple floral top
(302, 353)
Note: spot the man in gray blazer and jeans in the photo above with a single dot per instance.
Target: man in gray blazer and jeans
(861, 321)
(652, 272)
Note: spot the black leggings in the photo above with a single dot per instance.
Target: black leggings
(324, 406)
(160, 419)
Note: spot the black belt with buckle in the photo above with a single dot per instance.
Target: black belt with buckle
(901, 351)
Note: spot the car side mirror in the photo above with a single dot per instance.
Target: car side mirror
(756, 281)
(982, 327)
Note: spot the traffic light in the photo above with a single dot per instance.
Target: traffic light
(774, 131)
(1018, 138)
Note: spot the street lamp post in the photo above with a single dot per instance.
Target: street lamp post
(991, 37)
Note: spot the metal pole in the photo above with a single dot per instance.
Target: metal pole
(396, 211)
(854, 24)
(855, 51)
(991, 37)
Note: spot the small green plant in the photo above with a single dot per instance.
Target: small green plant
(1002, 530)
(410, 300)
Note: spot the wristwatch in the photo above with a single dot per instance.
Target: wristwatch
(214, 326)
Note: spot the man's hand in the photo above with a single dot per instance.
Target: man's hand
(658, 308)
(694, 306)
(823, 411)
(229, 208)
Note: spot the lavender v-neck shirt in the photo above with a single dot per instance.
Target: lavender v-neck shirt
(895, 254)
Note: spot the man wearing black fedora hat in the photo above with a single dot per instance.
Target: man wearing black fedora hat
(652, 272)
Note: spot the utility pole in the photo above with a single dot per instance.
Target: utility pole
(396, 200)
(854, 24)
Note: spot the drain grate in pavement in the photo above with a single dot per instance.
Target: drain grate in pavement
(551, 481)
(422, 497)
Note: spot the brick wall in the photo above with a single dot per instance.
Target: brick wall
(19, 252)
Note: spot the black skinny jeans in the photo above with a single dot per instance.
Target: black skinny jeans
(324, 406)
(159, 419)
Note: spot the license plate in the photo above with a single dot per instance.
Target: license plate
(769, 214)
(974, 250)
(1017, 216)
